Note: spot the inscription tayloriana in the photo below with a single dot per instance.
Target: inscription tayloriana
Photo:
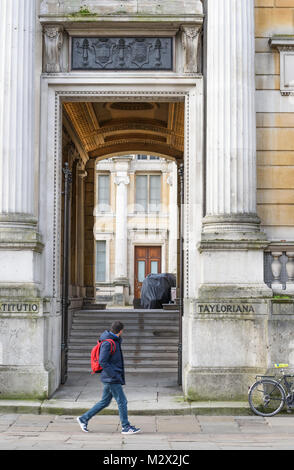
(225, 308)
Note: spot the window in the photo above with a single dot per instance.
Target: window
(101, 261)
(103, 193)
(148, 193)
(147, 157)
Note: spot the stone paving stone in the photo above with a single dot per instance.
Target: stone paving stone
(62, 427)
(177, 424)
(102, 447)
(194, 446)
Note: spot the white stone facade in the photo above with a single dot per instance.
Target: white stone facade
(232, 324)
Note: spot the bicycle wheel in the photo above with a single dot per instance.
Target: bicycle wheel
(266, 397)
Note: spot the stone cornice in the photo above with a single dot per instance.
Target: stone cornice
(282, 42)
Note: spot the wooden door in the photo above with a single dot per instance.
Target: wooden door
(147, 261)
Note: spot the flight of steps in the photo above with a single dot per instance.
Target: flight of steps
(150, 338)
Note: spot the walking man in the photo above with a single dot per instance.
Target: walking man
(113, 378)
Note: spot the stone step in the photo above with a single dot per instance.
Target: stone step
(105, 322)
(162, 334)
(146, 363)
(128, 355)
(138, 370)
(150, 340)
(162, 348)
(128, 310)
(147, 341)
(130, 330)
(125, 318)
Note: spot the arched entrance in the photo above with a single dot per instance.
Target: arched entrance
(162, 133)
(106, 131)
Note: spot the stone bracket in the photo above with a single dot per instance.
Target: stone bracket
(285, 46)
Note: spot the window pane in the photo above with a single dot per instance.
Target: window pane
(103, 192)
(155, 192)
(141, 193)
(141, 271)
(141, 157)
(101, 261)
(154, 267)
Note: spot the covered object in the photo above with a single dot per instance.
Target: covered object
(156, 290)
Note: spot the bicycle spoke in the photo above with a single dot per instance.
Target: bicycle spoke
(266, 397)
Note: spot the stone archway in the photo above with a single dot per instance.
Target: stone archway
(105, 129)
(57, 91)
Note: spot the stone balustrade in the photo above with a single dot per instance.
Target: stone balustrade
(279, 269)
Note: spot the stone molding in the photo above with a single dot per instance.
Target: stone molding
(53, 41)
(285, 46)
(190, 35)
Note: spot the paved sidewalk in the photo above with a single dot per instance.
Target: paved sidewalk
(162, 433)
(147, 394)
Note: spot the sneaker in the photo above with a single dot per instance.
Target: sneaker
(130, 430)
(84, 426)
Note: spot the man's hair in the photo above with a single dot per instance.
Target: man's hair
(116, 327)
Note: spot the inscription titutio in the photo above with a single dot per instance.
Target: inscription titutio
(19, 307)
(117, 53)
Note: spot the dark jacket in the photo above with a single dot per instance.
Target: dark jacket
(112, 364)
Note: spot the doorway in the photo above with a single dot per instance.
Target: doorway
(147, 261)
(161, 138)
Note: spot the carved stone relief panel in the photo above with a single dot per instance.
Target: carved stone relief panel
(122, 53)
(53, 41)
(190, 43)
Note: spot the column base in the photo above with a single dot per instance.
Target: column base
(121, 291)
(227, 343)
(26, 382)
(29, 347)
(234, 291)
(233, 224)
(219, 384)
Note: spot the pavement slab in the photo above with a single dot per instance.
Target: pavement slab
(183, 432)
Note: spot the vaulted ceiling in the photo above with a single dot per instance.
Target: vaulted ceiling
(119, 128)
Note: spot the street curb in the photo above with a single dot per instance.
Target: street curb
(77, 409)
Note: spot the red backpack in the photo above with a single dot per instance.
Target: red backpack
(95, 366)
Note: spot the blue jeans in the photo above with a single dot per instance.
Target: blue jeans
(109, 391)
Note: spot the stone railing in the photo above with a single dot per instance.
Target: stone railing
(279, 268)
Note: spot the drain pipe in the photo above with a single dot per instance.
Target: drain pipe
(181, 306)
(65, 275)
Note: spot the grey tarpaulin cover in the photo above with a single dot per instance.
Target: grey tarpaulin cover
(156, 290)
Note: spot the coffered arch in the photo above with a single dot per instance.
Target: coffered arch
(116, 128)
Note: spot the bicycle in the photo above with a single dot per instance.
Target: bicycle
(267, 396)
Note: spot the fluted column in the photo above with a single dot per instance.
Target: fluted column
(231, 122)
(19, 237)
(121, 231)
(17, 107)
(232, 243)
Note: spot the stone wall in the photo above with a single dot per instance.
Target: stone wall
(275, 122)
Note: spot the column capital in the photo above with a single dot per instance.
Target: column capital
(121, 179)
